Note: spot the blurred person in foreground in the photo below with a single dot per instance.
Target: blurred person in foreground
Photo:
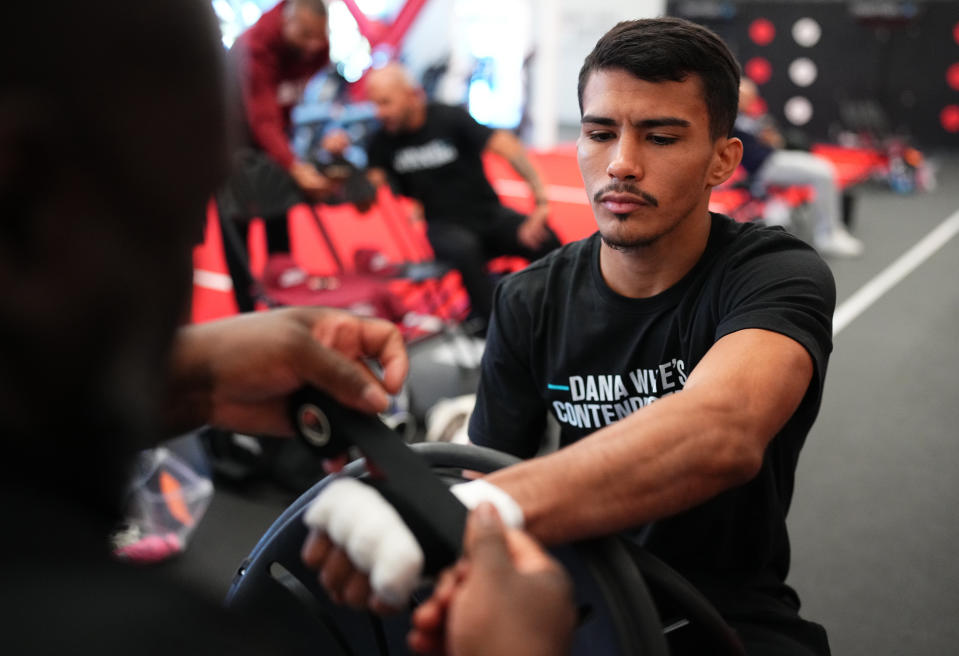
(108, 155)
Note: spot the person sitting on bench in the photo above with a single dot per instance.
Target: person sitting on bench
(433, 154)
(768, 163)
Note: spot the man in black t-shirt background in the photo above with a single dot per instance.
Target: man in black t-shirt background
(433, 154)
(683, 354)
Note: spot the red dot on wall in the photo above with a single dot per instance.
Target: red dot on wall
(952, 76)
(759, 70)
(762, 31)
(949, 117)
(955, 33)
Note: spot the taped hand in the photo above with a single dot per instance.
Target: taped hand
(365, 554)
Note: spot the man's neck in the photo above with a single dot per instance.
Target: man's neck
(646, 271)
(417, 118)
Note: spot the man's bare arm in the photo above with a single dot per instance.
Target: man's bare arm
(672, 455)
(507, 146)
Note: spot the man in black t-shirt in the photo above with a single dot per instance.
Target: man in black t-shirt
(433, 154)
(682, 354)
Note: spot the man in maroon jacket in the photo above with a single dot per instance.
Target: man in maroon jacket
(272, 62)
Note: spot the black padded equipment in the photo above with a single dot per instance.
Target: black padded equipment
(617, 615)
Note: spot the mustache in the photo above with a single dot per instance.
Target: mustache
(625, 188)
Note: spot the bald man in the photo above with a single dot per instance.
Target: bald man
(433, 154)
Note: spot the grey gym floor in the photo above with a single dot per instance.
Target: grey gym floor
(875, 520)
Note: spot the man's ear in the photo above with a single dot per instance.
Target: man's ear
(726, 157)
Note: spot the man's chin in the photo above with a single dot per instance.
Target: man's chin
(627, 245)
(621, 236)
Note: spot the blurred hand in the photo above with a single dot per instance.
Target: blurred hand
(533, 231)
(335, 142)
(505, 596)
(312, 182)
(237, 373)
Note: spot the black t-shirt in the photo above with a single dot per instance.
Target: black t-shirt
(63, 594)
(561, 341)
(440, 165)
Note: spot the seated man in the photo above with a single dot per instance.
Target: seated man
(769, 164)
(683, 354)
(433, 153)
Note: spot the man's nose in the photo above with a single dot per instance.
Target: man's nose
(626, 163)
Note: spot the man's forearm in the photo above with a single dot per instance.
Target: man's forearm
(653, 464)
(269, 135)
(188, 401)
(525, 168)
(657, 462)
(511, 149)
(673, 454)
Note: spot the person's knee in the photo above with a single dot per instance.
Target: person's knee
(457, 246)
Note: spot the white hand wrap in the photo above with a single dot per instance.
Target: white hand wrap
(362, 523)
(473, 493)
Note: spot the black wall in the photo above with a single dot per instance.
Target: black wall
(872, 54)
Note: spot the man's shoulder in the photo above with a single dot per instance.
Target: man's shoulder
(553, 267)
(265, 34)
(438, 109)
(753, 255)
(744, 242)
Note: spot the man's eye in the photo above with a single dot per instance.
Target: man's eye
(661, 140)
(600, 136)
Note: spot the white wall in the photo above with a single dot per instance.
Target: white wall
(563, 39)
(581, 23)
(428, 39)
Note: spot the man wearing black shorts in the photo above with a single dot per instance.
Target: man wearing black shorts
(433, 153)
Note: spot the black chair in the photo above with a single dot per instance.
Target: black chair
(617, 615)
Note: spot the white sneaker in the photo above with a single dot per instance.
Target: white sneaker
(839, 244)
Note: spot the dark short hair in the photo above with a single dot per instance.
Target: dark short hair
(660, 49)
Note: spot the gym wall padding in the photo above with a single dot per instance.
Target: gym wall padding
(902, 56)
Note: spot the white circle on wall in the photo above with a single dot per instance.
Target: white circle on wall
(798, 110)
(803, 72)
(806, 32)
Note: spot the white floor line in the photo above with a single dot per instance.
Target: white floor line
(555, 193)
(869, 293)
